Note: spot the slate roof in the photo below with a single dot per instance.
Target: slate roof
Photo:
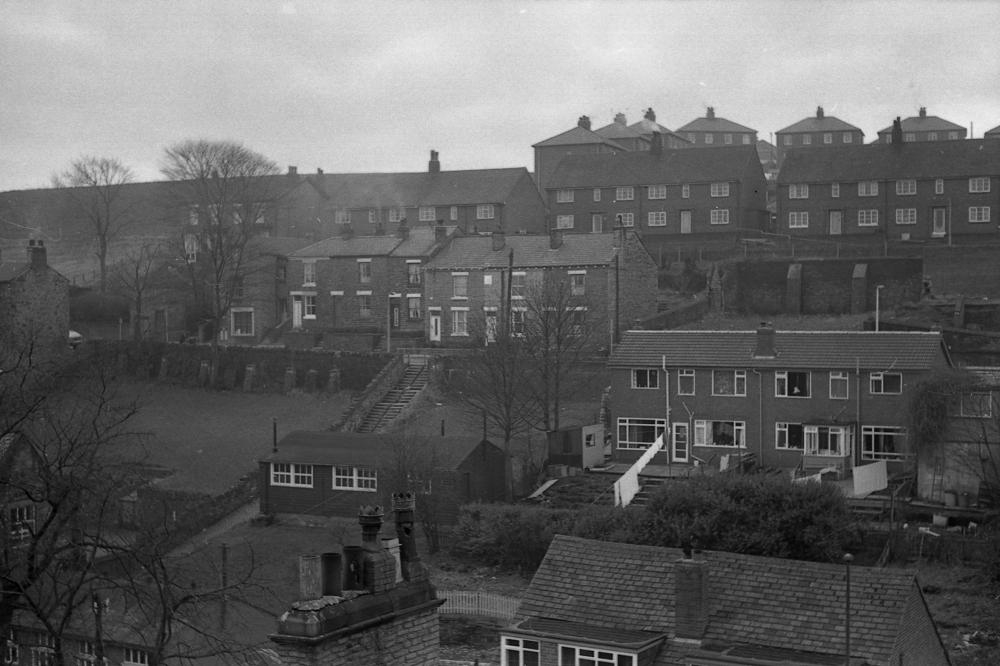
(353, 246)
(885, 350)
(353, 448)
(924, 124)
(278, 245)
(575, 137)
(644, 168)
(530, 251)
(715, 124)
(992, 133)
(420, 242)
(760, 601)
(364, 190)
(10, 270)
(824, 124)
(618, 131)
(885, 161)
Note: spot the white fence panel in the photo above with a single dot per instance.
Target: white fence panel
(460, 602)
(627, 486)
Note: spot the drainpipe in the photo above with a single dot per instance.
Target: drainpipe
(857, 405)
(760, 417)
(666, 399)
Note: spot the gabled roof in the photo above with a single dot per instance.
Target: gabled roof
(772, 604)
(354, 448)
(646, 127)
(992, 133)
(9, 270)
(617, 130)
(835, 350)
(278, 245)
(530, 251)
(420, 241)
(365, 190)
(924, 124)
(715, 124)
(886, 161)
(575, 137)
(821, 124)
(351, 246)
(727, 163)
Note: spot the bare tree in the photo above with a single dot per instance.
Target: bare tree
(97, 190)
(136, 274)
(226, 190)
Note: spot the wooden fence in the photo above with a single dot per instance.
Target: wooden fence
(479, 603)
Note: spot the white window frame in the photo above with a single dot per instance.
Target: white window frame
(645, 378)
(868, 217)
(659, 427)
(522, 649)
(353, 477)
(847, 137)
(453, 213)
(518, 283)
(578, 283)
(877, 383)
(702, 427)
(909, 136)
(952, 136)
(738, 379)
(21, 520)
(782, 383)
(11, 650)
(342, 217)
(657, 192)
(625, 193)
(840, 434)
(798, 219)
(906, 216)
(134, 657)
(709, 138)
(366, 309)
(309, 273)
(232, 322)
(685, 191)
(564, 196)
(787, 140)
(807, 139)
(485, 212)
(870, 434)
(292, 475)
(628, 219)
(727, 139)
(827, 138)
(579, 655)
(686, 374)
(308, 306)
(979, 214)
(517, 317)
(782, 436)
(834, 190)
(981, 408)
(365, 271)
(413, 275)
(867, 188)
(657, 218)
(719, 190)
(413, 310)
(597, 194)
(798, 191)
(979, 185)
(939, 186)
(564, 221)
(906, 187)
(932, 136)
(426, 214)
(460, 286)
(396, 214)
(838, 377)
(460, 322)
(719, 216)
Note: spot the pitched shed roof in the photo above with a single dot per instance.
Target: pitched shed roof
(821, 124)
(575, 137)
(644, 168)
(714, 124)
(895, 350)
(761, 601)
(353, 448)
(530, 251)
(883, 161)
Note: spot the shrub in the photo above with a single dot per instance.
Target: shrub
(508, 536)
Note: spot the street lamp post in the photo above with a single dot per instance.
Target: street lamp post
(878, 291)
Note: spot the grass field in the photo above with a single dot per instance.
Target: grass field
(204, 441)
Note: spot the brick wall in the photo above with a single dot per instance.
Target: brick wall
(36, 305)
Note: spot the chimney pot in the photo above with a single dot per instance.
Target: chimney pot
(584, 122)
(319, 171)
(498, 240)
(36, 253)
(819, 111)
(620, 118)
(923, 112)
(650, 115)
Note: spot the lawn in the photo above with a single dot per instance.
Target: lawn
(204, 441)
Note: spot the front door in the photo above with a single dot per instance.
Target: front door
(836, 222)
(940, 224)
(491, 326)
(680, 449)
(597, 223)
(685, 221)
(296, 312)
(435, 324)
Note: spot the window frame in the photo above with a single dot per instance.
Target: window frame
(906, 216)
(628, 219)
(812, 437)
(979, 214)
(597, 194)
(460, 286)
(426, 213)
(939, 186)
(868, 217)
(867, 188)
(840, 376)
(578, 283)
(659, 427)
(460, 322)
(565, 221)
(233, 330)
(564, 196)
(906, 187)
(686, 191)
(719, 190)
(359, 478)
(413, 310)
(365, 271)
(702, 427)
(739, 378)
(827, 138)
(783, 383)
(293, 477)
(309, 306)
(519, 647)
(798, 190)
(309, 273)
(366, 309)
(880, 378)
(719, 216)
(625, 193)
(783, 435)
(656, 218)
(686, 373)
(872, 434)
(835, 190)
(413, 273)
(979, 185)
(657, 192)
(798, 219)
(579, 655)
(645, 379)
(485, 211)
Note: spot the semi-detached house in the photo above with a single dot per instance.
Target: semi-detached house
(807, 400)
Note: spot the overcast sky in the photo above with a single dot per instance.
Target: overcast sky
(368, 86)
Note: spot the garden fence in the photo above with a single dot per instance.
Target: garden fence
(479, 603)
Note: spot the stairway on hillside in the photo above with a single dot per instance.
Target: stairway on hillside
(413, 381)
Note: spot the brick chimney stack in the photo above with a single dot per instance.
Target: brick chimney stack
(819, 111)
(765, 341)
(380, 566)
(897, 131)
(434, 165)
(404, 506)
(403, 231)
(650, 115)
(584, 122)
(690, 598)
(37, 254)
(555, 239)
(620, 118)
(923, 112)
(710, 113)
(293, 170)
(440, 231)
